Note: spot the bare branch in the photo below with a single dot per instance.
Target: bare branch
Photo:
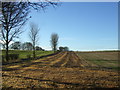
(34, 35)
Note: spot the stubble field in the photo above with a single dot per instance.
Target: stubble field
(62, 70)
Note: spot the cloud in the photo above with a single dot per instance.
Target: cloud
(3, 42)
(45, 47)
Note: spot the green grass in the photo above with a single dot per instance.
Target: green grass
(107, 59)
(24, 53)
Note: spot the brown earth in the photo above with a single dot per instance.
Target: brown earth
(63, 70)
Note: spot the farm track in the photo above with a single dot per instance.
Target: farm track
(69, 59)
(36, 63)
(63, 70)
(48, 60)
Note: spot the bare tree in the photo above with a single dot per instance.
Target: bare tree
(34, 36)
(14, 15)
(54, 41)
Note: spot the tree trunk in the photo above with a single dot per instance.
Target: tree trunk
(33, 50)
(7, 57)
(7, 52)
(54, 48)
(7, 42)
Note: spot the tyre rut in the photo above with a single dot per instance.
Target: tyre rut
(69, 59)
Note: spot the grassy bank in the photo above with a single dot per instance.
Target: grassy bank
(24, 53)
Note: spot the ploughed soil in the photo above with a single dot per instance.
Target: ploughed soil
(63, 70)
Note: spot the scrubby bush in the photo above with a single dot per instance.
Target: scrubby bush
(13, 56)
(29, 56)
(10, 57)
(3, 57)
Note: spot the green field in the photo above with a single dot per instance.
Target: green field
(24, 53)
(108, 59)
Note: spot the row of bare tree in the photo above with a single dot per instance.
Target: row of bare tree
(34, 36)
(14, 15)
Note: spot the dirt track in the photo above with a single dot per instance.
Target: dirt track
(63, 70)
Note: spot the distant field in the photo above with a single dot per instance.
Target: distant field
(107, 59)
(24, 53)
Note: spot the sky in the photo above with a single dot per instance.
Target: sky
(82, 26)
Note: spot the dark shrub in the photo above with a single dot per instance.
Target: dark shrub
(13, 56)
(29, 56)
(2, 57)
